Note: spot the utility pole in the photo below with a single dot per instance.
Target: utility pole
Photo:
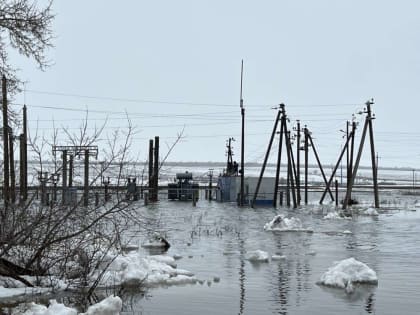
(277, 180)
(210, 183)
(86, 182)
(267, 154)
(64, 171)
(368, 124)
(343, 150)
(298, 162)
(372, 153)
(12, 168)
(156, 170)
(6, 196)
(150, 168)
(306, 133)
(25, 154)
(242, 196)
(71, 168)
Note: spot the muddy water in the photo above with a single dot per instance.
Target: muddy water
(213, 239)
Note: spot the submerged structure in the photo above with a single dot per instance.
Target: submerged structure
(229, 184)
(184, 187)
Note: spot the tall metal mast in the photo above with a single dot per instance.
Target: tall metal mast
(241, 201)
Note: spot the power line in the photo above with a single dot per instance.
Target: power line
(131, 100)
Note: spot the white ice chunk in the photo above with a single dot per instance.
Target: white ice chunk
(278, 257)
(370, 211)
(134, 270)
(345, 273)
(281, 223)
(335, 215)
(257, 256)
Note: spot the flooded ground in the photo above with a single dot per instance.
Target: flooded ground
(213, 239)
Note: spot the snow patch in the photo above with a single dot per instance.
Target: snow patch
(345, 273)
(53, 309)
(112, 305)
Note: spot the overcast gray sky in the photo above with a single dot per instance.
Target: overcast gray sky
(175, 63)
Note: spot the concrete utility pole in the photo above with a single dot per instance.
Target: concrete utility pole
(86, 181)
(25, 155)
(64, 172)
(150, 194)
(6, 168)
(12, 168)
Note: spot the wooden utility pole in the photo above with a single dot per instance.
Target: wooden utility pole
(336, 166)
(372, 153)
(290, 164)
(242, 192)
(298, 162)
(277, 180)
(367, 126)
(156, 170)
(306, 133)
(291, 169)
(6, 168)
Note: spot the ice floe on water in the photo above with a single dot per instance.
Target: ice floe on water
(345, 273)
(370, 211)
(278, 257)
(257, 256)
(281, 223)
(134, 270)
(336, 215)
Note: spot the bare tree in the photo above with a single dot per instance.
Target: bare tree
(27, 28)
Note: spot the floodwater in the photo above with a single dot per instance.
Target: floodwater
(213, 239)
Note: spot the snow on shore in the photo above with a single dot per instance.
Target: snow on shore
(112, 305)
(343, 274)
(281, 223)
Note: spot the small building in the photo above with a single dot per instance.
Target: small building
(229, 188)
